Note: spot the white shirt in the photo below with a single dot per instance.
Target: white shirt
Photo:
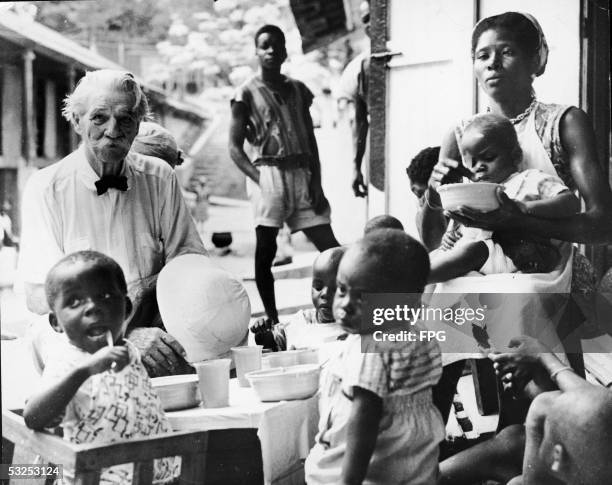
(141, 228)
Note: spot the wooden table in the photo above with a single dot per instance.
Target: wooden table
(285, 429)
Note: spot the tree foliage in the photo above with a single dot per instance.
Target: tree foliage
(146, 20)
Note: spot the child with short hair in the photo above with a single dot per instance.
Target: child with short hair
(383, 221)
(567, 431)
(420, 169)
(489, 146)
(299, 331)
(96, 383)
(565, 438)
(378, 423)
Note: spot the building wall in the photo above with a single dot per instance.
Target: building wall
(429, 86)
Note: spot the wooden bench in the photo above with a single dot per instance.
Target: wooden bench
(21, 445)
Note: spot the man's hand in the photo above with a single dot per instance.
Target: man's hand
(507, 216)
(360, 189)
(162, 354)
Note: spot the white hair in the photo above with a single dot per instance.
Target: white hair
(112, 80)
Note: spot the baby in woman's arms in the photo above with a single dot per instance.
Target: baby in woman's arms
(490, 148)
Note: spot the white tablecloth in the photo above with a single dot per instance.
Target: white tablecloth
(286, 429)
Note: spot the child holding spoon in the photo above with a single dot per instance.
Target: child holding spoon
(489, 146)
(96, 385)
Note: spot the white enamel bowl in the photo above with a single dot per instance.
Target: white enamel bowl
(285, 383)
(286, 358)
(476, 195)
(177, 392)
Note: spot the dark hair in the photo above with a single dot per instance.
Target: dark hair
(496, 126)
(101, 261)
(270, 29)
(382, 222)
(422, 164)
(522, 30)
(403, 262)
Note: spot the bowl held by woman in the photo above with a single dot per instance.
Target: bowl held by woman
(479, 196)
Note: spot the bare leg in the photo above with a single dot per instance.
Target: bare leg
(498, 459)
(265, 250)
(444, 391)
(322, 237)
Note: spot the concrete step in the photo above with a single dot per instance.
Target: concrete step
(301, 267)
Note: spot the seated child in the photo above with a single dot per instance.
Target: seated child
(298, 332)
(567, 431)
(378, 424)
(490, 147)
(100, 392)
(382, 222)
(420, 169)
(565, 439)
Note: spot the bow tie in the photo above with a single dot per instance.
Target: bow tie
(118, 182)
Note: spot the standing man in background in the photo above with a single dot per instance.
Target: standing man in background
(354, 87)
(271, 112)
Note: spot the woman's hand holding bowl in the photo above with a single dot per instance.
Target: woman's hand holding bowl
(506, 216)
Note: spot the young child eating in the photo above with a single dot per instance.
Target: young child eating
(490, 147)
(378, 424)
(299, 332)
(96, 384)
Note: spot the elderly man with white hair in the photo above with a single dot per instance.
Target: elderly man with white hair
(107, 198)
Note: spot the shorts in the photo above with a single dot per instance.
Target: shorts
(283, 196)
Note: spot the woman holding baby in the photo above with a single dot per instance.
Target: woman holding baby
(509, 51)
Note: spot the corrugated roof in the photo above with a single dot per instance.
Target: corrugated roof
(24, 31)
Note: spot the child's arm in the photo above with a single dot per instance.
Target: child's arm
(366, 411)
(446, 265)
(560, 206)
(45, 406)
